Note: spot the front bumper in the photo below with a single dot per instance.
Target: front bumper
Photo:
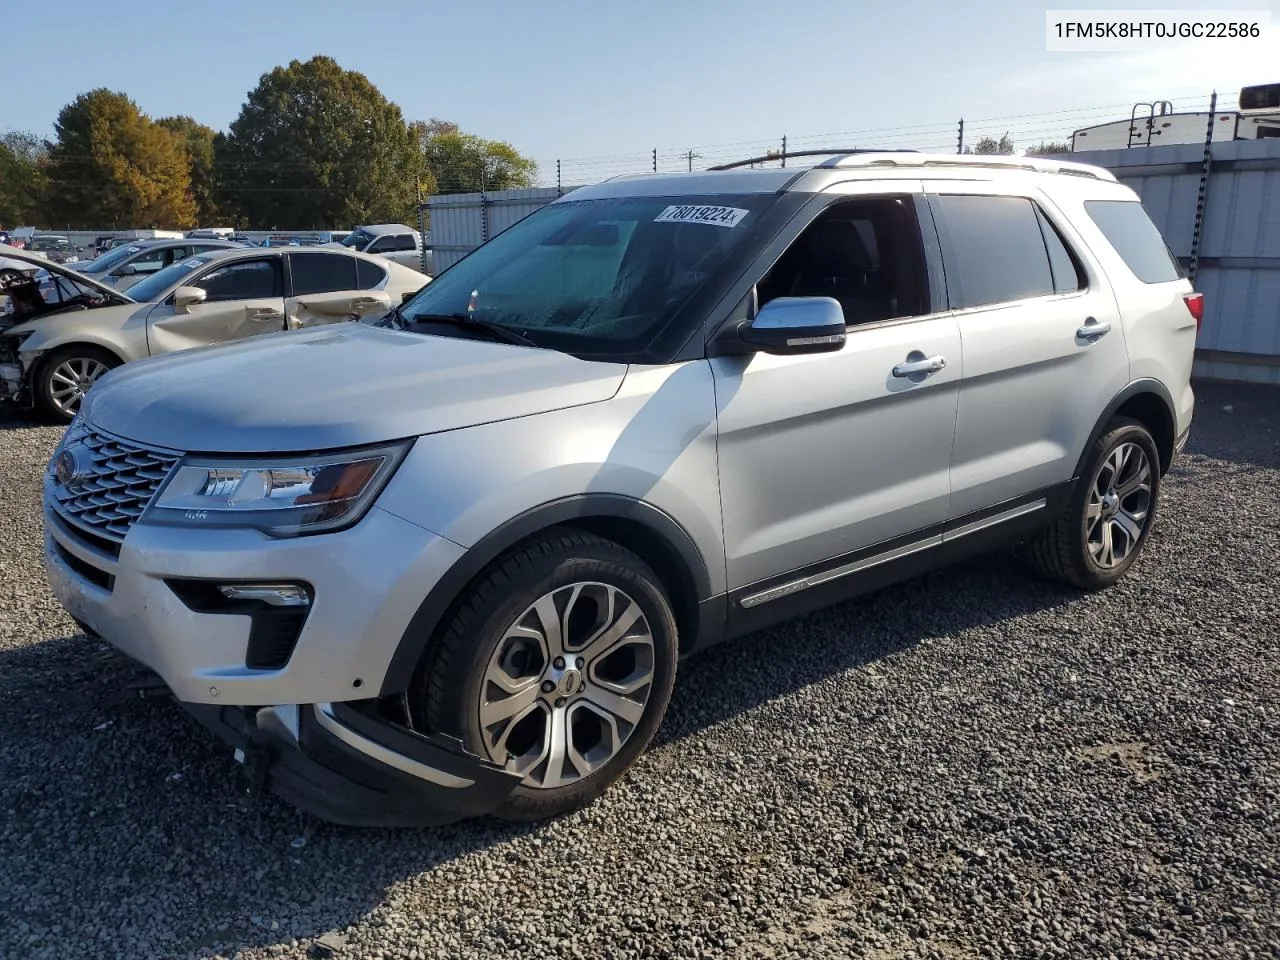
(306, 730)
(343, 764)
(367, 582)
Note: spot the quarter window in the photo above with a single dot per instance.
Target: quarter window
(322, 273)
(243, 280)
(1136, 239)
(368, 274)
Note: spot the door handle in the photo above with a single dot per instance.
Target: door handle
(265, 315)
(911, 368)
(1093, 329)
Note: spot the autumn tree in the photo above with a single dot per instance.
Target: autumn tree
(464, 162)
(317, 146)
(112, 164)
(23, 157)
(197, 141)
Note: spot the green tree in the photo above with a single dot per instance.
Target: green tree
(463, 162)
(1044, 149)
(317, 146)
(23, 157)
(197, 141)
(112, 165)
(992, 146)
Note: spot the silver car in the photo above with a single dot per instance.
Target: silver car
(129, 263)
(65, 330)
(444, 563)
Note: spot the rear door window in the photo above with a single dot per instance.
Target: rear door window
(322, 273)
(997, 251)
(1136, 239)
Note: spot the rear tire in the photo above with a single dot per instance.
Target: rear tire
(65, 376)
(562, 658)
(1102, 530)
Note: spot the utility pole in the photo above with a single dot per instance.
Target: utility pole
(691, 156)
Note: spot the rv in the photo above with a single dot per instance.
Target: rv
(1157, 124)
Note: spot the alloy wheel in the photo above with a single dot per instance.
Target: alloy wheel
(1119, 505)
(567, 684)
(70, 381)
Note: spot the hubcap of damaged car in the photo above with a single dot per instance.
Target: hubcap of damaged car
(567, 684)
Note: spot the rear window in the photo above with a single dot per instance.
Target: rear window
(1129, 230)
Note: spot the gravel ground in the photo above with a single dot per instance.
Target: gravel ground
(974, 764)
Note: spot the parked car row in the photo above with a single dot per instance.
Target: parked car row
(64, 329)
(444, 562)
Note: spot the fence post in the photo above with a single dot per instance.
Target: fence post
(960, 138)
(422, 232)
(784, 149)
(484, 208)
(1205, 165)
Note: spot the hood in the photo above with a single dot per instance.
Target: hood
(36, 259)
(336, 386)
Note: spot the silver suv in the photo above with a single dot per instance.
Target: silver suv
(444, 563)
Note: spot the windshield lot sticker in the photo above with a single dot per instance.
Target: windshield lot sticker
(194, 262)
(695, 213)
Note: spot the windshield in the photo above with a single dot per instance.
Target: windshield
(357, 239)
(50, 243)
(153, 288)
(109, 259)
(595, 276)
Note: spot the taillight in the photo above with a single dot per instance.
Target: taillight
(1195, 306)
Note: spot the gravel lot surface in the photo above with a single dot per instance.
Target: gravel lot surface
(974, 764)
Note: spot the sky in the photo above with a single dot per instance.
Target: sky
(599, 84)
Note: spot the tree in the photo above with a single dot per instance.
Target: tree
(111, 164)
(317, 146)
(1044, 149)
(23, 157)
(196, 141)
(990, 146)
(464, 163)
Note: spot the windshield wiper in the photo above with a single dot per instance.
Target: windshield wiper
(467, 320)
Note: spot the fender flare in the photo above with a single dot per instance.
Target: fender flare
(1134, 389)
(436, 604)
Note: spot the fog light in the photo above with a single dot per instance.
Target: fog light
(275, 594)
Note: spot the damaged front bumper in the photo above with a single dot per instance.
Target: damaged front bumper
(344, 763)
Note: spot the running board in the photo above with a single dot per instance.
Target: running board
(887, 556)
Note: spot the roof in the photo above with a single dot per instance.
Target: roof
(378, 229)
(812, 177)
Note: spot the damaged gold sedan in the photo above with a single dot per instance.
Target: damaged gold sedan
(60, 331)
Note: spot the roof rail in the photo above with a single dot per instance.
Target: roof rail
(843, 151)
(913, 159)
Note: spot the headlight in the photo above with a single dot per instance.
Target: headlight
(287, 497)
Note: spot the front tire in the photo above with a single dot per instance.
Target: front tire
(65, 376)
(1104, 527)
(561, 659)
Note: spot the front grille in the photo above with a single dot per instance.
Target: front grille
(115, 480)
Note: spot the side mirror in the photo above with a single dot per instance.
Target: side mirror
(794, 325)
(184, 298)
(408, 295)
(128, 270)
